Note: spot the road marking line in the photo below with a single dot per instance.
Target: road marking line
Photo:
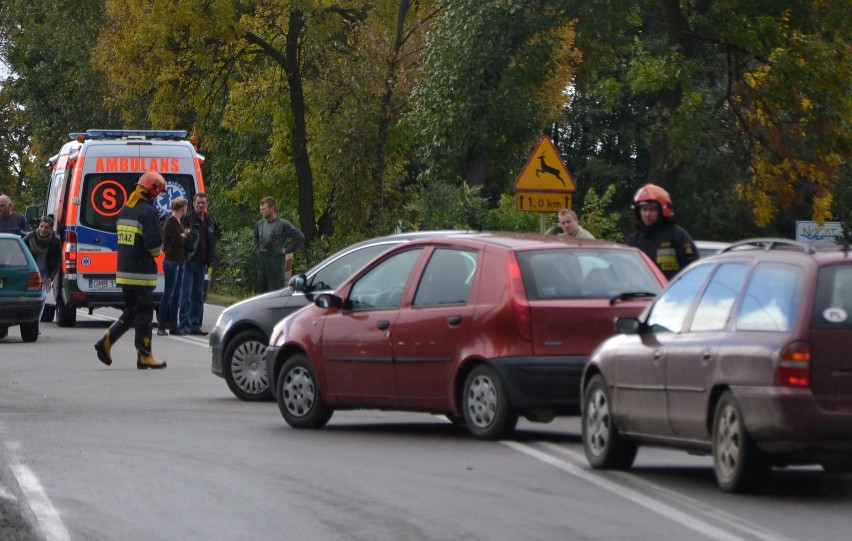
(700, 526)
(46, 515)
(683, 499)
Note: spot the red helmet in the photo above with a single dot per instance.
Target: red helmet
(651, 193)
(154, 183)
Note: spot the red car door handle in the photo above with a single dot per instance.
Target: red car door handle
(383, 324)
(454, 320)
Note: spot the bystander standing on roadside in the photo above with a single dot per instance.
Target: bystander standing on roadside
(175, 237)
(569, 225)
(47, 252)
(10, 221)
(200, 257)
(274, 237)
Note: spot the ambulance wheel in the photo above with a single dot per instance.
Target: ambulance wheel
(65, 316)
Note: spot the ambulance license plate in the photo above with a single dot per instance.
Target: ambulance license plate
(101, 284)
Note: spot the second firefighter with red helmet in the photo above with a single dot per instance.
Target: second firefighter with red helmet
(669, 245)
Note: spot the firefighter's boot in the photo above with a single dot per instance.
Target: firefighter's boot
(111, 336)
(144, 356)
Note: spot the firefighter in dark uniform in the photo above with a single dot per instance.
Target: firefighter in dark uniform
(666, 243)
(140, 240)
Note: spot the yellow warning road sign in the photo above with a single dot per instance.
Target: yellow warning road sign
(543, 201)
(544, 171)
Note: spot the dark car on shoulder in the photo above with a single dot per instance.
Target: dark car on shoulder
(21, 294)
(241, 334)
(744, 357)
(480, 328)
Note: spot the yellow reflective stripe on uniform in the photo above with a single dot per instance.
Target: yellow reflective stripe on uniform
(127, 232)
(156, 251)
(133, 279)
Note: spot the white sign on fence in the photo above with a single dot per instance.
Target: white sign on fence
(829, 233)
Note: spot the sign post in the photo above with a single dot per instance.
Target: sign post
(544, 184)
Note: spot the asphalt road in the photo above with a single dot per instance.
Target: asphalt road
(89, 452)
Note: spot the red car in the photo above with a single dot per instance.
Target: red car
(745, 356)
(479, 327)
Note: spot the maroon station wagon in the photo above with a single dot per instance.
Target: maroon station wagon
(480, 327)
(745, 356)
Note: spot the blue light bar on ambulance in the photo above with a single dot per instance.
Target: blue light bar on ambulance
(174, 135)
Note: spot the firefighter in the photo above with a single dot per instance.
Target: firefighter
(140, 240)
(666, 243)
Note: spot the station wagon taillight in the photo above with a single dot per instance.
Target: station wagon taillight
(71, 252)
(33, 281)
(520, 306)
(794, 366)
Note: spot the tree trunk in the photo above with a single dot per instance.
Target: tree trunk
(301, 160)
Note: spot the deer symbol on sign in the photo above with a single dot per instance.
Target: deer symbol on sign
(547, 169)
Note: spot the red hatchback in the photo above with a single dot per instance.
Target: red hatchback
(479, 327)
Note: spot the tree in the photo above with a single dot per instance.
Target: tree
(497, 74)
(731, 106)
(52, 90)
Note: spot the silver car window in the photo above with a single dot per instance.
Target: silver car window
(336, 272)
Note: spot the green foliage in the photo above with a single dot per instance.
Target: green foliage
(447, 206)
(236, 268)
(596, 216)
(507, 217)
(497, 75)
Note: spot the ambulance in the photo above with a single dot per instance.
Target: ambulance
(90, 180)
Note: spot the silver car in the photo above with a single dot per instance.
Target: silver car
(239, 339)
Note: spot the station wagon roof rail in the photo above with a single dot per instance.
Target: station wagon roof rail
(768, 244)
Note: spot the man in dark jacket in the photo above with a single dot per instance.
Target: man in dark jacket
(10, 221)
(140, 240)
(200, 257)
(666, 243)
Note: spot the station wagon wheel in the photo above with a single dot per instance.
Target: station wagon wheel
(298, 394)
(65, 316)
(738, 463)
(487, 411)
(605, 448)
(244, 368)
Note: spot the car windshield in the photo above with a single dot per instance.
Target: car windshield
(581, 272)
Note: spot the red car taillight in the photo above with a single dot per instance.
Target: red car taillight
(70, 252)
(520, 306)
(794, 366)
(34, 281)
